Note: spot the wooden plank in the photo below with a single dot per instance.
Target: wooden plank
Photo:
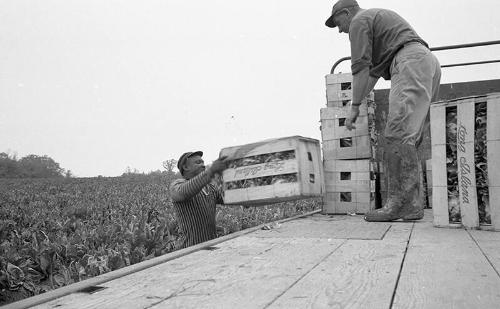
(466, 164)
(439, 172)
(261, 170)
(489, 242)
(248, 271)
(492, 123)
(440, 206)
(428, 178)
(334, 93)
(338, 78)
(310, 169)
(444, 268)
(360, 274)
(263, 147)
(360, 203)
(360, 149)
(340, 112)
(263, 194)
(438, 124)
(494, 196)
(362, 165)
(493, 159)
(345, 103)
(329, 228)
(334, 184)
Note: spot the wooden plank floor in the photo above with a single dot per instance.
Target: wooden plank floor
(319, 262)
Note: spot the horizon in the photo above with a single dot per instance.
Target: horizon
(99, 86)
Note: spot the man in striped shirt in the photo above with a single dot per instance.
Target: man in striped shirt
(194, 198)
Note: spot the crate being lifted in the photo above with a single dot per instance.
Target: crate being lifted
(465, 140)
(273, 171)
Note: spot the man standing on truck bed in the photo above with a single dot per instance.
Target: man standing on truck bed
(194, 198)
(383, 44)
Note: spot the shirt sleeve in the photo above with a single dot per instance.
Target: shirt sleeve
(361, 37)
(182, 190)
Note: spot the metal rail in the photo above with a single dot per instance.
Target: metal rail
(486, 43)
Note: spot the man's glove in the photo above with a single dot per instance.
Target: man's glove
(218, 166)
(351, 119)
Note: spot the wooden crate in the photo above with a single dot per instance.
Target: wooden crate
(333, 123)
(349, 186)
(467, 199)
(347, 148)
(339, 90)
(273, 171)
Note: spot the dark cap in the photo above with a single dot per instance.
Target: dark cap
(184, 157)
(340, 5)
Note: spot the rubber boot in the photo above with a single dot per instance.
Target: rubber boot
(393, 205)
(412, 184)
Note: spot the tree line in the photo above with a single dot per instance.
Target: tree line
(30, 166)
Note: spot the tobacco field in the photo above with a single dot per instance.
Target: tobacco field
(54, 232)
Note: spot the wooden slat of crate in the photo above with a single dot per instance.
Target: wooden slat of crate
(340, 112)
(360, 149)
(338, 78)
(347, 101)
(428, 177)
(261, 170)
(310, 176)
(331, 119)
(360, 179)
(334, 93)
(493, 157)
(348, 166)
(466, 166)
(361, 202)
(274, 145)
(334, 184)
(439, 170)
(263, 194)
(494, 181)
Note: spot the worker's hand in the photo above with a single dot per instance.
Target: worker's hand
(351, 118)
(218, 166)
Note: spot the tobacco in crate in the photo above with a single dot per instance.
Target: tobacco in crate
(273, 171)
(465, 162)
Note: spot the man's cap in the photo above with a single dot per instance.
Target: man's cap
(340, 5)
(184, 157)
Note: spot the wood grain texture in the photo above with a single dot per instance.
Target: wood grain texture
(493, 157)
(360, 274)
(360, 149)
(489, 242)
(329, 229)
(444, 268)
(466, 163)
(245, 273)
(338, 78)
(439, 172)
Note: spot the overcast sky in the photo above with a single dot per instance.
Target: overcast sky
(100, 85)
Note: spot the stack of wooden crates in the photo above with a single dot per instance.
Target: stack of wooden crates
(348, 168)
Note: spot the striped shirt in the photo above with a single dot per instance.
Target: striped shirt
(194, 202)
